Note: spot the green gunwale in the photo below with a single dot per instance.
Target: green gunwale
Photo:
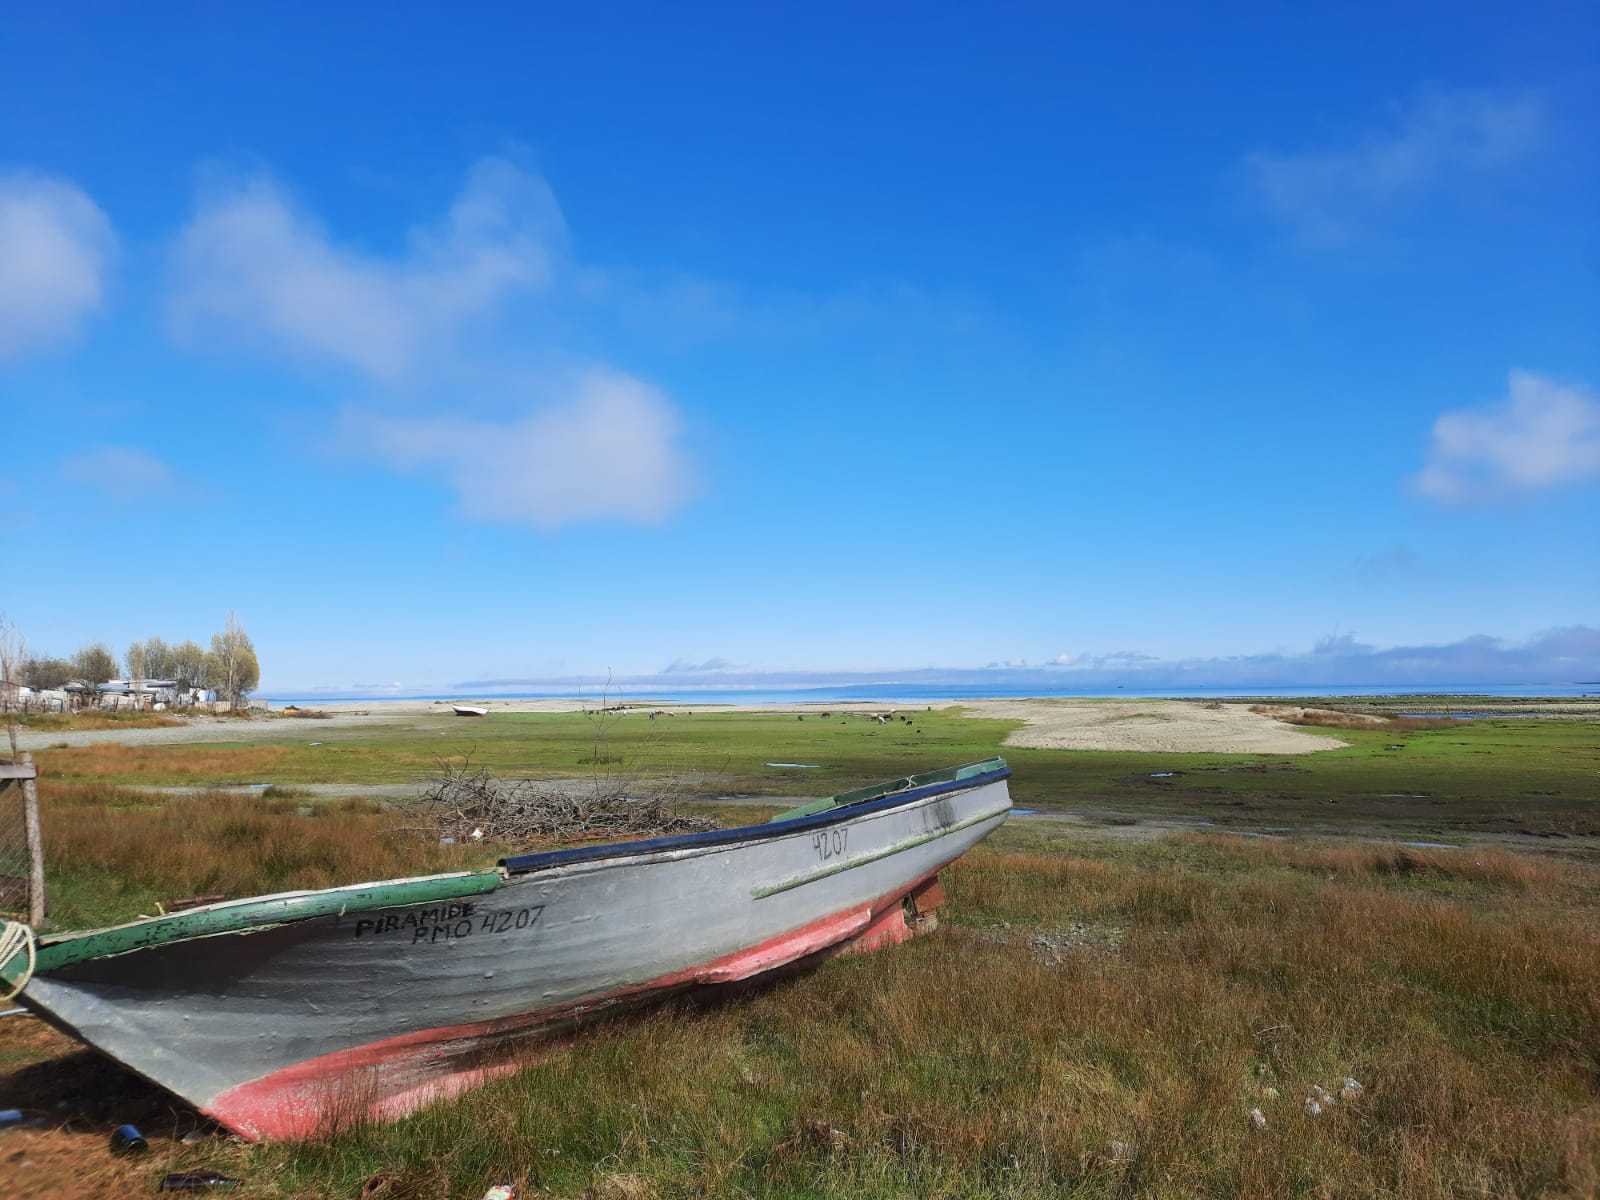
(234, 916)
(56, 951)
(876, 790)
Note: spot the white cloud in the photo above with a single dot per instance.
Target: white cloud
(1329, 195)
(1555, 656)
(55, 253)
(1544, 435)
(252, 265)
(687, 666)
(120, 472)
(608, 449)
(1094, 662)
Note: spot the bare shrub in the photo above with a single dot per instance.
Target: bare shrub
(470, 802)
(627, 794)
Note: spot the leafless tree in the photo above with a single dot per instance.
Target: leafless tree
(232, 664)
(135, 663)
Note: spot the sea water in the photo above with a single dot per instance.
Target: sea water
(907, 693)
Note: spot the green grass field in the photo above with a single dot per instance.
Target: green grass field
(1505, 776)
(1097, 1016)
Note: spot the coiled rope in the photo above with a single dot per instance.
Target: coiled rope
(16, 939)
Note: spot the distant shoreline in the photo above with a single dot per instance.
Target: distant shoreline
(908, 694)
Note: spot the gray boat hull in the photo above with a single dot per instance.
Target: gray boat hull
(288, 1029)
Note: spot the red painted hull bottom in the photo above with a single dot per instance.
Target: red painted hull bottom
(387, 1079)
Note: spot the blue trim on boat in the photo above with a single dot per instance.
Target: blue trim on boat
(522, 863)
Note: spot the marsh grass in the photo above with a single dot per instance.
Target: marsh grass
(113, 853)
(1461, 988)
(218, 763)
(962, 1065)
(74, 721)
(1331, 718)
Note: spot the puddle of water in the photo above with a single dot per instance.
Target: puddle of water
(1023, 812)
(796, 766)
(1431, 845)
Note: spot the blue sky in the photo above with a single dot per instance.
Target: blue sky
(500, 344)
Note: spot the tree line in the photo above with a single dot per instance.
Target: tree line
(229, 667)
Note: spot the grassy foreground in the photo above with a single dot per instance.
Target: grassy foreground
(1096, 1018)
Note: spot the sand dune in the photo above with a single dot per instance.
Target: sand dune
(1156, 725)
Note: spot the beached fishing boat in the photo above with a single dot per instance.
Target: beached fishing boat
(283, 1015)
(470, 710)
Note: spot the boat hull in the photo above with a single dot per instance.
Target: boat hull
(288, 1030)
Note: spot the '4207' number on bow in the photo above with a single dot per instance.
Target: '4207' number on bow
(830, 843)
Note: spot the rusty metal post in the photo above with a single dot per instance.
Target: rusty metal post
(30, 805)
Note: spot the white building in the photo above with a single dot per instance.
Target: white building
(150, 693)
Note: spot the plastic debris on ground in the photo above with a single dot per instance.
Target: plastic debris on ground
(126, 1139)
(196, 1181)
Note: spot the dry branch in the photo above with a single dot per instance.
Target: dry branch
(467, 802)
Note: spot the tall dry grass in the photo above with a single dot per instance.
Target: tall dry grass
(164, 764)
(1472, 864)
(968, 1064)
(199, 764)
(235, 845)
(1332, 718)
(971, 1064)
(95, 719)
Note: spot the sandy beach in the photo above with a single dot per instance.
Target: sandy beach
(1163, 726)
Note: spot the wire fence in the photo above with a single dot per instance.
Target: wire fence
(21, 843)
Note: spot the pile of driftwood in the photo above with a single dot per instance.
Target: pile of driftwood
(470, 804)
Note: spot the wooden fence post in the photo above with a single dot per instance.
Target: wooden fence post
(30, 805)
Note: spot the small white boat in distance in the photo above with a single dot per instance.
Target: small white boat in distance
(278, 1015)
(470, 710)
